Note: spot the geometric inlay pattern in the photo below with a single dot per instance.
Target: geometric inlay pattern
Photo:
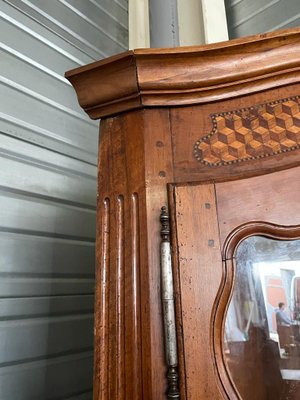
(251, 133)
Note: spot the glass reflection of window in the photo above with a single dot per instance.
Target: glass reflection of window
(262, 327)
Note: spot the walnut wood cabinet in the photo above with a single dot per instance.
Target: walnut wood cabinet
(213, 133)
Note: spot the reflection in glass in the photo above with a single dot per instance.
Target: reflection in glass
(262, 326)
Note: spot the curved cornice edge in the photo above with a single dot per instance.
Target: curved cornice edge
(187, 75)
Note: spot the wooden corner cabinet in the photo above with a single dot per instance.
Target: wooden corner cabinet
(212, 134)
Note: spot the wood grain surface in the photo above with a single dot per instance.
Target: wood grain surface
(129, 352)
(188, 75)
(200, 270)
(273, 198)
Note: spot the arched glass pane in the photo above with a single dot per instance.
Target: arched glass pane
(262, 326)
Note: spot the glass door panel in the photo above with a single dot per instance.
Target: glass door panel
(262, 326)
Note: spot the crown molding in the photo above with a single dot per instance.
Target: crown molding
(187, 75)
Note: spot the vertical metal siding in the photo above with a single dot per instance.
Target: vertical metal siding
(164, 30)
(249, 17)
(47, 194)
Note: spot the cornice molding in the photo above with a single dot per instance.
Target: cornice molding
(187, 75)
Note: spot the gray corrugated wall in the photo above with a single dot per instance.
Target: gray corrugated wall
(48, 156)
(249, 17)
